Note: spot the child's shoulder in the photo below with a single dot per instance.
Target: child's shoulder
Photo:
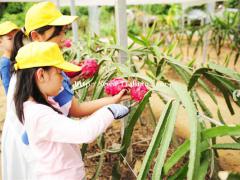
(31, 107)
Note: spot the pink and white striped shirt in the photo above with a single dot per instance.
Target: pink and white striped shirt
(53, 140)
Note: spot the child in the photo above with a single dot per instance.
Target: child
(53, 136)
(7, 32)
(51, 25)
(43, 22)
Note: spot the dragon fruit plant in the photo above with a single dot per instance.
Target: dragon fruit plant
(89, 68)
(68, 43)
(115, 85)
(138, 91)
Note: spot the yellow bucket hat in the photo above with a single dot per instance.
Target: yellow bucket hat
(43, 14)
(7, 27)
(40, 54)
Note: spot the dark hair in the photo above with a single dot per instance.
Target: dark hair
(26, 87)
(18, 40)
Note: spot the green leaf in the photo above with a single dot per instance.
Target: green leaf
(231, 146)
(203, 170)
(222, 88)
(101, 160)
(139, 76)
(221, 131)
(180, 174)
(151, 30)
(156, 51)
(176, 156)
(117, 47)
(196, 75)
(165, 90)
(165, 141)
(227, 71)
(155, 142)
(194, 157)
(181, 72)
(99, 85)
(116, 175)
(136, 40)
(208, 133)
(203, 106)
(132, 119)
(84, 149)
(83, 94)
(207, 90)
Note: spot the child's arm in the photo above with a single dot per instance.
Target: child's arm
(87, 108)
(47, 124)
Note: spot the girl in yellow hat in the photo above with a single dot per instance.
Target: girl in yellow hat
(53, 137)
(43, 22)
(7, 32)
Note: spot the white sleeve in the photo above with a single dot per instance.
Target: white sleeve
(52, 126)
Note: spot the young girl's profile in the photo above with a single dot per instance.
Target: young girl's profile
(52, 136)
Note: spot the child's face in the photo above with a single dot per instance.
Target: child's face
(6, 41)
(47, 34)
(49, 81)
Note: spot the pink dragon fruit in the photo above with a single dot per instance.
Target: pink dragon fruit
(73, 74)
(89, 68)
(68, 43)
(138, 91)
(115, 85)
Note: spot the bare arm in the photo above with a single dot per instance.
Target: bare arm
(86, 108)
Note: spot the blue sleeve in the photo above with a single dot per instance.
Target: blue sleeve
(5, 72)
(66, 95)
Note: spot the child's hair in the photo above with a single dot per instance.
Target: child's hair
(18, 40)
(26, 87)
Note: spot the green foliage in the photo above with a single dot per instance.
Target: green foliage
(107, 22)
(18, 19)
(155, 58)
(80, 11)
(134, 28)
(65, 10)
(14, 12)
(155, 9)
(14, 8)
(233, 3)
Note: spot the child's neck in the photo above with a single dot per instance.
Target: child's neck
(7, 54)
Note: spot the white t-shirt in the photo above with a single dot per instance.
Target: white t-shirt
(53, 139)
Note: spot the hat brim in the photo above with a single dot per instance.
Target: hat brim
(63, 20)
(8, 30)
(68, 67)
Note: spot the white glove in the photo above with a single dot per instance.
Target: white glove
(119, 111)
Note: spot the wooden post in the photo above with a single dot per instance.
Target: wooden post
(210, 10)
(94, 20)
(122, 36)
(58, 4)
(74, 24)
(121, 23)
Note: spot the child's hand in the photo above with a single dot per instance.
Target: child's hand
(121, 96)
